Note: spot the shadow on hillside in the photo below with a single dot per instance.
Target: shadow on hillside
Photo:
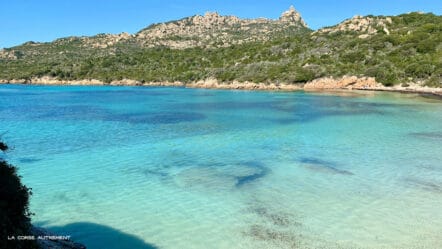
(96, 236)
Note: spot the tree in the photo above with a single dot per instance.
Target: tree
(14, 207)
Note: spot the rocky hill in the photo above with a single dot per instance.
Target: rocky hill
(404, 49)
(214, 30)
(364, 26)
(209, 31)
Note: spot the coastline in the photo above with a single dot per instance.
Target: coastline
(317, 85)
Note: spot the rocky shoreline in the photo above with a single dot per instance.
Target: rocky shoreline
(367, 84)
(321, 84)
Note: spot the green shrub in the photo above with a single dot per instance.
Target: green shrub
(419, 70)
(353, 56)
(434, 81)
(302, 75)
(384, 74)
(427, 46)
(14, 207)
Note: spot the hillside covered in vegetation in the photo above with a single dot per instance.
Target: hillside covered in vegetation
(393, 49)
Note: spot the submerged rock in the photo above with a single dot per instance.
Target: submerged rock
(221, 177)
(430, 135)
(424, 184)
(319, 165)
(277, 238)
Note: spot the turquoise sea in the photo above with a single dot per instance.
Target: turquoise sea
(135, 167)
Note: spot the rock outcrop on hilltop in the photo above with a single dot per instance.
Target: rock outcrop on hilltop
(10, 55)
(215, 30)
(105, 40)
(210, 30)
(292, 17)
(365, 26)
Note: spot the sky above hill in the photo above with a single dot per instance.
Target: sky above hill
(46, 20)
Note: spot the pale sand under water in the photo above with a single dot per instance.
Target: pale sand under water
(130, 167)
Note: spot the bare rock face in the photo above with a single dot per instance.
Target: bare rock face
(10, 55)
(292, 17)
(247, 85)
(215, 30)
(346, 82)
(104, 40)
(367, 26)
(210, 30)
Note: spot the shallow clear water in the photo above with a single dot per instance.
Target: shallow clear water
(126, 167)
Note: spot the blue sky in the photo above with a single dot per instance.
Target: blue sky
(46, 20)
